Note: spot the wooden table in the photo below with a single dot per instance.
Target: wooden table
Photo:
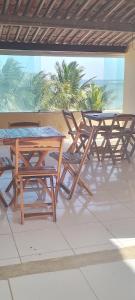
(100, 116)
(9, 136)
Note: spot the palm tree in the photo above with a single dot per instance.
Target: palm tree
(68, 85)
(11, 75)
(20, 91)
(97, 97)
(32, 90)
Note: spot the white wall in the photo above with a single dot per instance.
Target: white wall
(129, 82)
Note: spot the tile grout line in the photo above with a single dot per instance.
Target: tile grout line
(14, 240)
(10, 289)
(90, 287)
(65, 239)
(66, 263)
(106, 228)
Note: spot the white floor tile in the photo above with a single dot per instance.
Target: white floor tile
(54, 285)
(47, 255)
(131, 206)
(40, 241)
(9, 261)
(112, 211)
(7, 247)
(123, 231)
(64, 202)
(112, 280)
(4, 290)
(96, 248)
(4, 225)
(74, 216)
(86, 235)
(78, 228)
(35, 223)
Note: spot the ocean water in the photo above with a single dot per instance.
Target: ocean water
(115, 88)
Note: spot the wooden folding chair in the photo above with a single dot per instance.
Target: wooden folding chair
(117, 139)
(132, 143)
(71, 123)
(73, 128)
(20, 124)
(5, 165)
(73, 161)
(85, 120)
(99, 129)
(38, 175)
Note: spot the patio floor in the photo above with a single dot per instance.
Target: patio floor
(93, 242)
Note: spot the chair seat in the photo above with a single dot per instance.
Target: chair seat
(5, 164)
(71, 158)
(37, 171)
(72, 132)
(117, 134)
(107, 127)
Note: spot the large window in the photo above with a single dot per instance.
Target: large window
(42, 83)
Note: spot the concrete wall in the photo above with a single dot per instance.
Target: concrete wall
(129, 85)
(54, 119)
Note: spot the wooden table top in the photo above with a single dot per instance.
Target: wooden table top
(29, 132)
(100, 116)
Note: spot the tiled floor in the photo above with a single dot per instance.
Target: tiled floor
(84, 225)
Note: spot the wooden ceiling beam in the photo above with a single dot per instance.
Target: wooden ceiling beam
(59, 36)
(64, 23)
(86, 35)
(104, 9)
(70, 7)
(99, 37)
(121, 39)
(114, 8)
(107, 39)
(49, 7)
(40, 6)
(27, 6)
(115, 38)
(1, 29)
(57, 9)
(62, 48)
(90, 10)
(27, 33)
(17, 6)
(18, 33)
(82, 8)
(128, 14)
(5, 7)
(99, 10)
(35, 34)
(43, 35)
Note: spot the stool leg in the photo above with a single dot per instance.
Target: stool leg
(53, 199)
(3, 200)
(21, 201)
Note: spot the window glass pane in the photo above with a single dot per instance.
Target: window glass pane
(40, 83)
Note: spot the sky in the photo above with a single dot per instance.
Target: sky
(108, 68)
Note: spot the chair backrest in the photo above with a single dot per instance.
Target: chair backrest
(86, 134)
(124, 121)
(70, 121)
(41, 146)
(85, 120)
(72, 158)
(24, 124)
(5, 164)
